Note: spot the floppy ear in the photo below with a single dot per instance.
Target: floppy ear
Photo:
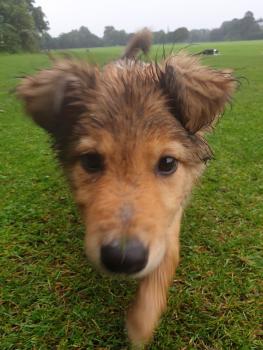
(55, 97)
(196, 94)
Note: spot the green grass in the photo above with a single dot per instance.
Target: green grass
(51, 298)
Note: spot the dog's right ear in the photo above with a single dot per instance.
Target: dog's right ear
(55, 97)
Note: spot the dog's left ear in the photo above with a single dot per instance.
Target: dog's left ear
(197, 95)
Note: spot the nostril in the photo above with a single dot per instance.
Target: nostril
(126, 258)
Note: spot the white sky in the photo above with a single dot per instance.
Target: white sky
(131, 15)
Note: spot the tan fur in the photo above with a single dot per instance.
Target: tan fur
(151, 296)
(203, 91)
(139, 42)
(133, 114)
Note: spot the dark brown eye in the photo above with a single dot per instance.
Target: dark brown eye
(92, 162)
(167, 165)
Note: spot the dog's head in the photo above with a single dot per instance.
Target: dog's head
(130, 138)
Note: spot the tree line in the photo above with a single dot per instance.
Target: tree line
(246, 28)
(23, 27)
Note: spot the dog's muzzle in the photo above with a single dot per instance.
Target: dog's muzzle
(126, 257)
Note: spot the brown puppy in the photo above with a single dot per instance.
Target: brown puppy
(130, 139)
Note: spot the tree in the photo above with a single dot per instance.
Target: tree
(39, 18)
(77, 38)
(245, 28)
(114, 37)
(21, 25)
(216, 35)
(108, 36)
(199, 35)
(8, 37)
(178, 35)
(47, 42)
(249, 27)
(159, 37)
(181, 35)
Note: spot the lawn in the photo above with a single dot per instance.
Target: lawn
(51, 298)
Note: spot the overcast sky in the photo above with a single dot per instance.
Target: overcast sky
(131, 15)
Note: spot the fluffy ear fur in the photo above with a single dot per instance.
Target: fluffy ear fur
(141, 41)
(54, 97)
(197, 94)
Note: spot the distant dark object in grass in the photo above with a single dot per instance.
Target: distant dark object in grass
(210, 52)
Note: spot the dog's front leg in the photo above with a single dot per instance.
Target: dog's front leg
(151, 297)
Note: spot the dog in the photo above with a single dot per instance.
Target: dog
(130, 138)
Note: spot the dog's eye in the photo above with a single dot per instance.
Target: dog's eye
(167, 165)
(92, 162)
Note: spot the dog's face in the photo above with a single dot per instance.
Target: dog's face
(130, 177)
(130, 140)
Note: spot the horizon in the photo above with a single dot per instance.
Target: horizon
(64, 17)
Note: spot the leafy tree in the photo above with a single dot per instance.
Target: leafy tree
(199, 35)
(41, 24)
(170, 37)
(159, 37)
(216, 34)
(245, 28)
(8, 36)
(178, 35)
(113, 37)
(88, 39)
(181, 34)
(249, 26)
(77, 38)
(108, 36)
(47, 42)
(21, 25)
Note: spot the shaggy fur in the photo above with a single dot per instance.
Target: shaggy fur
(132, 114)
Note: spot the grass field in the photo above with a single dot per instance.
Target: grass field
(51, 298)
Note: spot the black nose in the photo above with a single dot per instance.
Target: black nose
(124, 257)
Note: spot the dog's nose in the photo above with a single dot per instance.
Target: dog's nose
(124, 257)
